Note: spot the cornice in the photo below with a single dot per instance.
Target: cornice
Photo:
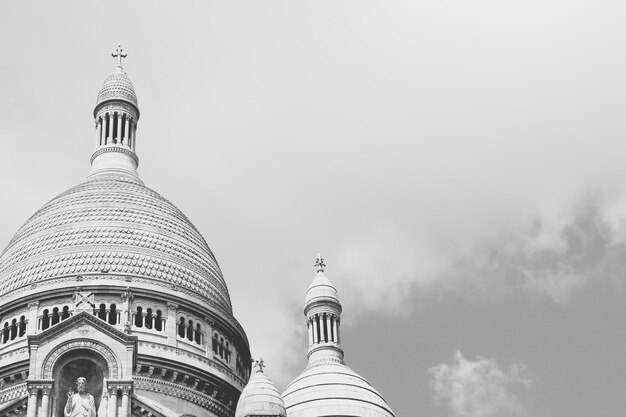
(114, 148)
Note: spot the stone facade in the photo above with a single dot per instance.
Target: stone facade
(111, 282)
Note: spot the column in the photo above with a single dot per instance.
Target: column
(125, 402)
(126, 131)
(112, 411)
(119, 127)
(98, 132)
(143, 319)
(127, 316)
(335, 334)
(32, 402)
(105, 125)
(309, 326)
(130, 133)
(100, 122)
(337, 330)
(134, 131)
(31, 326)
(315, 339)
(104, 403)
(45, 402)
(171, 324)
(208, 342)
(107, 314)
(328, 338)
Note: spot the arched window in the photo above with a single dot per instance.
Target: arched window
(139, 317)
(181, 327)
(5, 332)
(190, 330)
(13, 329)
(45, 320)
(22, 330)
(55, 316)
(215, 344)
(198, 337)
(148, 318)
(66, 313)
(158, 322)
(113, 314)
(221, 347)
(102, 312)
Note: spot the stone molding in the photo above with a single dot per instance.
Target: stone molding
(185, 393)
(324, 308)
(51, 359)
(12, 393)
(110, 106)
(209, 362)
(114, 148)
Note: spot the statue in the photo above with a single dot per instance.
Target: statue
(81, 403)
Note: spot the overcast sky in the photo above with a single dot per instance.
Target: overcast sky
(460, 164)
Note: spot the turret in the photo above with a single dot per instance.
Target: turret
(116, 114)
(323, 313)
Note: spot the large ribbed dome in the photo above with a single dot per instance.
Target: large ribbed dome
(329, 387)
(112, 224)
(117, 86)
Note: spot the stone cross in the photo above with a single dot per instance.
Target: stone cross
(118, 54)
(83, 301)
(259, 363)
(319, 263)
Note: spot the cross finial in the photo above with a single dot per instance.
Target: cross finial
(319, 263)
(118, 54)
(258, 362)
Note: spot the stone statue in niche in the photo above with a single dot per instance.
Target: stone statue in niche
(81, 403)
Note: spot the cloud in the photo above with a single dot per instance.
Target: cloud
(551, 253)
(477, 388)
(559, 253)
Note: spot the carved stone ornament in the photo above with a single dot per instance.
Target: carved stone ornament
(83, 301)
(109, 356)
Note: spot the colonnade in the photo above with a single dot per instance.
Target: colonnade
(323, 328)
(116, 128)
(139, 319)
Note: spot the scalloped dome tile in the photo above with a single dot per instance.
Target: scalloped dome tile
(143, 224)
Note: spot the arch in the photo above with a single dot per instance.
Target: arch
(79, 362)
(113, 362)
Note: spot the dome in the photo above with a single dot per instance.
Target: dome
(321, 290)
(260, 398)
(329, 387)
(117, 86)
(112, 224)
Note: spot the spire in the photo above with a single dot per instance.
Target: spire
(116, 114)
(323, 312)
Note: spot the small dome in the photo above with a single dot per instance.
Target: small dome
(117, 86)
(260, 398)
(321, 290)
(329, 387)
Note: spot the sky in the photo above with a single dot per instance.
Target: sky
(459, 164)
